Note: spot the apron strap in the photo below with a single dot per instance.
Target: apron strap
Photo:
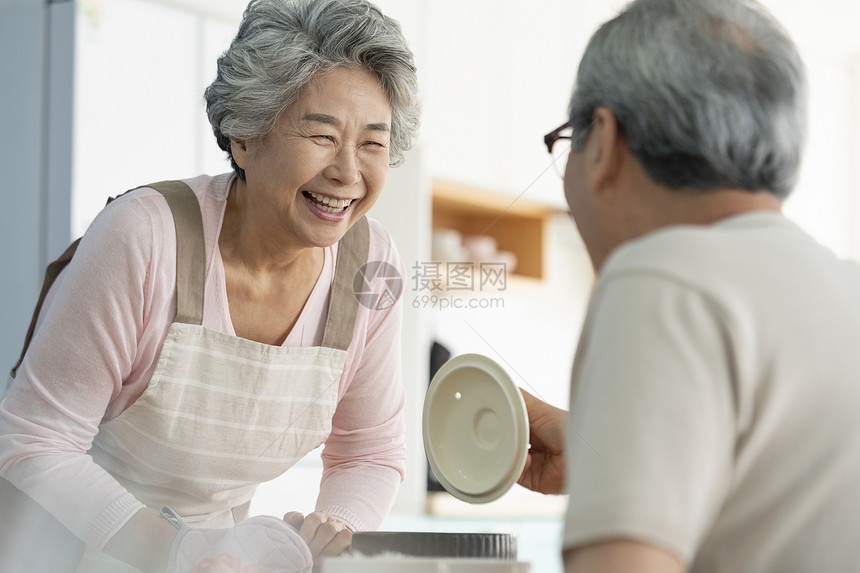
(352, 253)
(51, 274)
(190, 250)
(190, 259)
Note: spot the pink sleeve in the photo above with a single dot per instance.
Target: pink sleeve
(83, 350)
(365, 455)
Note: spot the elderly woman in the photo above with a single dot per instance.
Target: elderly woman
(180, 365)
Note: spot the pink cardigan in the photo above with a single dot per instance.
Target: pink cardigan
(98, 341)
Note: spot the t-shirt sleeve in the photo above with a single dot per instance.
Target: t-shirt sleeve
(650, 435)
(81, 353)
(364, 457)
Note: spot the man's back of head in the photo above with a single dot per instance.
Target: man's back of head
(709, 94)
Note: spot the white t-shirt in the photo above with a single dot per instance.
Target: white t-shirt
(715, 400)
(99, 339)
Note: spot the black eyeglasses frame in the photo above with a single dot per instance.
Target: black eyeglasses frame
(550, 138)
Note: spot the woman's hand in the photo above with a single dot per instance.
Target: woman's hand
(325, 535)
(261, 544)
(544, 471)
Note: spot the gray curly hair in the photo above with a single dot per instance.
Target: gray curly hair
(282, 44)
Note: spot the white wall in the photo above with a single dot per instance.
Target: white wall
(825, 202)
(140, 72)
(497, 77)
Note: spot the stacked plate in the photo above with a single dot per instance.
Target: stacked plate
(428, 552)
(500, 546)
(396, 564)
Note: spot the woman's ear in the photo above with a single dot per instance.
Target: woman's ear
(239, 151)
(602, 148)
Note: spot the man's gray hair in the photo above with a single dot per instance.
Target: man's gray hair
(282, 44)
(708, 93)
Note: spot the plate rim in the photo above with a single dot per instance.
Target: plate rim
(521, 429)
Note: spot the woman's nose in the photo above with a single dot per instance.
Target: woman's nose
(344, 166)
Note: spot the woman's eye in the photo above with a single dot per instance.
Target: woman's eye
(323, 138)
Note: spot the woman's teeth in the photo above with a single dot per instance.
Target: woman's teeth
(328, 204)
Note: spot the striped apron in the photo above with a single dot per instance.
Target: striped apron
(223, 414)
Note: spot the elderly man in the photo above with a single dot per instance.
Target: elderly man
(715, 393)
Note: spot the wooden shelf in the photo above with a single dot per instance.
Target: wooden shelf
(518, 225)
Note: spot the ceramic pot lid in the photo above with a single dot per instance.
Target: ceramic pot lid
(475, 427)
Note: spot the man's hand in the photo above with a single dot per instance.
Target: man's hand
(545, 466)
(325, 535)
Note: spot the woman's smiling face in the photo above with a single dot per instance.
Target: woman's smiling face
(324, 164)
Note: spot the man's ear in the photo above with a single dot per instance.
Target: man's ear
(239, 151)
(602, 150)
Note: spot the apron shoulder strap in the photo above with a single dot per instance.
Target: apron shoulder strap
(190, 250)
(352, 252)
(190, 259)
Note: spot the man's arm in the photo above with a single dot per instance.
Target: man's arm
(621, 556)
